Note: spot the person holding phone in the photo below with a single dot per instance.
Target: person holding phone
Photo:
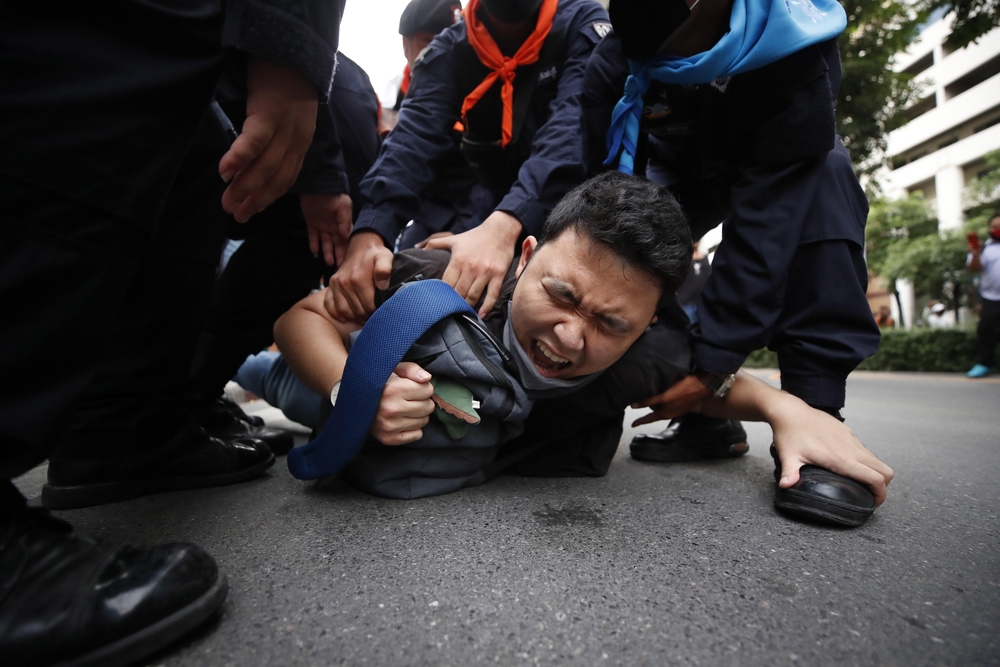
(985, 259)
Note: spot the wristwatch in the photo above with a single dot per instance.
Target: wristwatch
(718, 383)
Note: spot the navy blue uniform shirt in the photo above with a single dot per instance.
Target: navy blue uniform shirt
(757, 151)
(552, 140)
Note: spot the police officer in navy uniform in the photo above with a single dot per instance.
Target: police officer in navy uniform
(489, 138)
(287, 249)
(99, 106)
(420, 21)
(740, 123)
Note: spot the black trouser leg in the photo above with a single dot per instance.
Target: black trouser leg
(63, 269)
(135, 401)
(826, 328)
(265, 277)
(988, 332)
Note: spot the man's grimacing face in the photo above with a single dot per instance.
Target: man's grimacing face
(577, 306)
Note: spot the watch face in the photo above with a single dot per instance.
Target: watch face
(727, 383)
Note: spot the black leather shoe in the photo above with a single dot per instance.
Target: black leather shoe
(693, 437)
(225, 420)
(823, 496)
(189, 460)
(70, 601)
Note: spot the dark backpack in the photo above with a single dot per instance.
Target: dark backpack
(459, 347)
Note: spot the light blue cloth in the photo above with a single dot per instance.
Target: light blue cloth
(761, 32)
(269, 377)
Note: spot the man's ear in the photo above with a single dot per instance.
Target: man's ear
(527, 249)
(653, 321)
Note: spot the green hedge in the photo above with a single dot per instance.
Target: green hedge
(921, 349)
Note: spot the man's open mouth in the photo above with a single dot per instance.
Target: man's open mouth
(547, 362)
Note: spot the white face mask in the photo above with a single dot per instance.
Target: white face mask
(535, 384)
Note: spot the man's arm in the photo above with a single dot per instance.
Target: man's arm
(390, 192)
(323, 190)
(802, 434)
(975, 260)
(315, 347)
(290, 69)
(344, 148)
(480, 256)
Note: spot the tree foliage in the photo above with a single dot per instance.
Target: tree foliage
(872, 96)
(893, 224)
(935, 265)
(973, 19)
(983, 193)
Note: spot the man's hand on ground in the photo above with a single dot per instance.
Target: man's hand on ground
(367, 266)
(804, 435)
(480, 258)
(265, 159)
(405, 406)
(328, 222)
(686, 396)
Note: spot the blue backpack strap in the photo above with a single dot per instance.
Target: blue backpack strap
(380, 346)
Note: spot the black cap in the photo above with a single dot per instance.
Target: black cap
(643, 25)
(431, 16)
(511, 10)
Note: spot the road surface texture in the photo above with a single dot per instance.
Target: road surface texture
(654, 564)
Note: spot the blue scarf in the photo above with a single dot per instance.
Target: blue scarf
(761, 32)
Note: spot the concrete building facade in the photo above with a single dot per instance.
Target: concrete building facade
(951, 128)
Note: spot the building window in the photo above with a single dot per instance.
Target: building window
(920, 107)
(988, 69)
(920, 64)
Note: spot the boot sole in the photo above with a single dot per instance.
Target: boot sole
(64, 497)
(807, 506)
(152, 638)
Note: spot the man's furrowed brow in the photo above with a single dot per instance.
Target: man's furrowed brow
(617, 324)
(563, 289)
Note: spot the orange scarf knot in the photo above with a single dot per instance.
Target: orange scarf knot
(505, 68)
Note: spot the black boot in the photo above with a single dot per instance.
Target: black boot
(61, 595)
(823, 496)
(223, 419)
(189, 460)
(693, 437)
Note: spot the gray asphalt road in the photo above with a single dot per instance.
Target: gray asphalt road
(652, 565)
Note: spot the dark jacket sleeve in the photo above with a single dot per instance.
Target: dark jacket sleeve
(323, 170)
(391, 190)
(603, 85)
(557, 162)
(302, 34)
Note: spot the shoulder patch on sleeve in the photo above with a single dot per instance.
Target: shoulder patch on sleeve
(602, 28)
(423, 52)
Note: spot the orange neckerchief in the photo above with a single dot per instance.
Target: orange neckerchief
(404, 85)
(489, 54)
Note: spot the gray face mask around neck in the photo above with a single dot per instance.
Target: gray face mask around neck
(535, 384)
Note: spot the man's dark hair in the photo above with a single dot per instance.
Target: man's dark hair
(637, 219)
